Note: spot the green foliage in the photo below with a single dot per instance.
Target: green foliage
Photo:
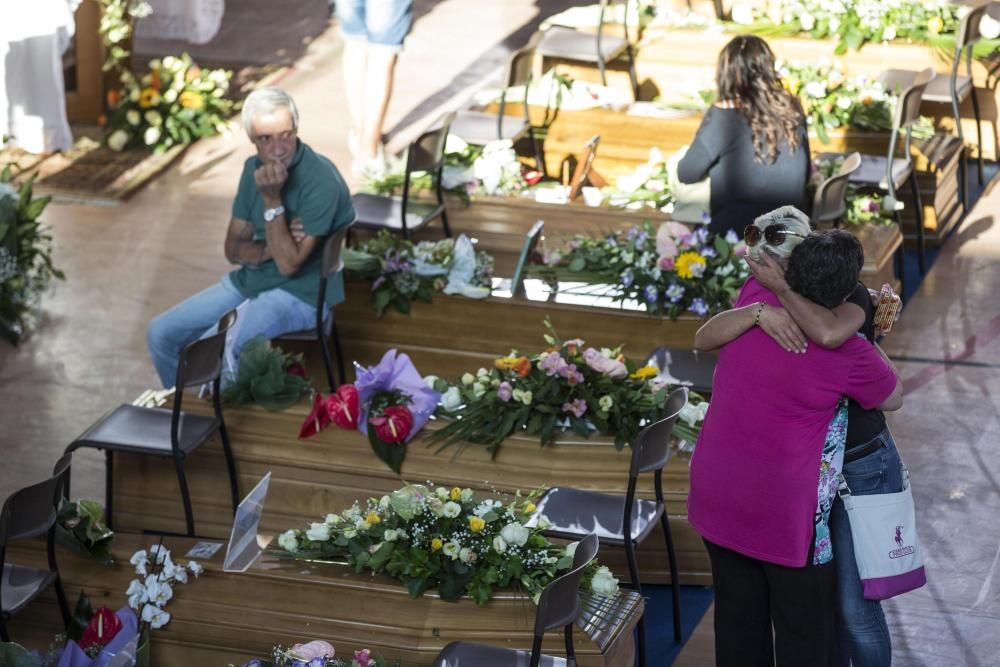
(115, 28)
(263, 377)
(80, 528)
(26, 268)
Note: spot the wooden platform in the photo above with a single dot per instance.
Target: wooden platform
(224, 618)
(329, 472)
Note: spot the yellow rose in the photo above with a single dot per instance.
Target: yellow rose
(456, 494)
(436, 544)
(529, 508)
(645, 373)
(935, 25)
(373, 518)
(476, 524)
(190, 100)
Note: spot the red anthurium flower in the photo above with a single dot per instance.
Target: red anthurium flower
(103, 627)
(394, 424)
(295, 368)
(318, 418)
(344, 406)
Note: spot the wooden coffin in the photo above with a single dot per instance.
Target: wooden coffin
(228, 618)
(329, 472)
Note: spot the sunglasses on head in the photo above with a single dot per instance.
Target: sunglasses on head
(772, 235)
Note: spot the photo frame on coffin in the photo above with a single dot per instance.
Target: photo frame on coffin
(243, 548)
(584, 172)
(527, 250)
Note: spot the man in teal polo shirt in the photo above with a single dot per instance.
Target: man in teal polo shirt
(289, 200)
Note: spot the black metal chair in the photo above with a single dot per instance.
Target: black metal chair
(403, 214)
(28, 513)
(326, 329)
(480, 128)
(625, 521)
(955, 89)
(686, 365)
(168, 433)
(558, 607)
(889, 172)
(566, 43)
(830, 199)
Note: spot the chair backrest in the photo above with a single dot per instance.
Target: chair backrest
(201, 361)
(31, 511)
(520, 63)
(530, 243)
(559, 602)
(968, 29)
(907, 110)
(605, 6)
(426, 153)
(830, 200)
(651, 448)
(333, 250)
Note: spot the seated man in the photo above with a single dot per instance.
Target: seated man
(289, 200)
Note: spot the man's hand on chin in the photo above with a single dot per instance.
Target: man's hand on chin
(270, 178)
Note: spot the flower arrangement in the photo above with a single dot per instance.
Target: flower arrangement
(26, 268)
(566, 387)
(153, 588)
(266, 376)
(388, 402)
(447, 540)
(854, 23)
(492, 169)
(115, 28)
(316, 653)
(80, 528)
(671, 269)
(646, 186)
(832, 100)
(173, 104)
(862, 209)
(401, 271)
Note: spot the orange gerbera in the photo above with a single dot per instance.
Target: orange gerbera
(114, 97)
(519, 365)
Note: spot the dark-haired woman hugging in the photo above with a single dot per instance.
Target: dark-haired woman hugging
(753, 142)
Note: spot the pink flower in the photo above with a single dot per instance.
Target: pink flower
(314, 649)
(666, 263)
(610, 367)
(667, 237)
(577, 407)
(364, 658)
(552, 363)
(504, 391)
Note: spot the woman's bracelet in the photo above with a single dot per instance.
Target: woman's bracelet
(756, 317)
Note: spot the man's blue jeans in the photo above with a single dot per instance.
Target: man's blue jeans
(271, 313)
(862, 634)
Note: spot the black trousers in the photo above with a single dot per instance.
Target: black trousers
(767, 614)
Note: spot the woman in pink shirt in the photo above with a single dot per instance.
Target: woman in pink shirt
(763, 469)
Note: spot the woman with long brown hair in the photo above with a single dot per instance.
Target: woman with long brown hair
(752, 142)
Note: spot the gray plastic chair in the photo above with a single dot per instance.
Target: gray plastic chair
(558, 607)
(28, 513)
(830, 199)
(625, 521)
(326, 329)
(687, 365)
(955, 89)
(567, 43)
(480, 128)
(403, 214)
(168, 433)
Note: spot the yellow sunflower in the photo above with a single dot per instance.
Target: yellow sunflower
(190, 100)
(148, 98)
(690, 265)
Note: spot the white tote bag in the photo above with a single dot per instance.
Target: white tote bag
(886, 547)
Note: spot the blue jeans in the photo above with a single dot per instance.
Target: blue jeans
(862, 634)
(272, 313)
(382, 22)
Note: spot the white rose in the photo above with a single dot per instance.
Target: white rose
(467, 555)
(604, 583)
(318, 532)
(333, 519)
(451, 510)
(889, 33)
(815, 89)
(151, 136)
(742, 13)
(570, 549)
(117, 140)
(515, 534)
(451, 400)
(844, 103)
(288, 541)
(605, 403)
(153, 117)
(170, 96)
(170, 62)
(807, 21)
(499, 545)
(543, 522)
(133, 117)
(390, 535)
(468, 379)
(430, 380)
(479, 390)
(988, 27)
(441, 493)
(134, 94)
(451, 549)
(383, 502)
(690, 414)
(467, 495)
(155, 63)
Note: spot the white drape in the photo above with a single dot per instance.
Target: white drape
(32, 92)
(194, 21)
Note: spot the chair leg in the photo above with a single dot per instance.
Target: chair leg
(444, 222)
(539, 158)
(979, 133)
(918, 209)
(602, 69)
(234, 487)
(342, 374)
(675, 577)
(901, 261)
(632, 76)
(185, 496)
(633, 573)
(568, 637)
(109, 469)
(324, 346)
(54, 566)
(640, 630)
(963, 180)
(4, 635)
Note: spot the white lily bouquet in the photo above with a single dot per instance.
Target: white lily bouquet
(153, 588)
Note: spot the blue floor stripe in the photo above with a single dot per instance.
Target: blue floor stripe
(660, 647)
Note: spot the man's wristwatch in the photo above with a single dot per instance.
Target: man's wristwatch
(272, 213)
